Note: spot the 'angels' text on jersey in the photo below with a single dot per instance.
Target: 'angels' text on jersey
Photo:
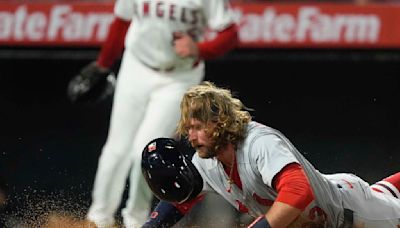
(167, 10)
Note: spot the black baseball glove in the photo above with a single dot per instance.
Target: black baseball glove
(92, 84)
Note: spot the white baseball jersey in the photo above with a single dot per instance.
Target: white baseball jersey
(155, 22)
(147, 97)
(264, 153)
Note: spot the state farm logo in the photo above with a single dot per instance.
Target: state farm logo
(278, 25)
(60, 22)
(308, 25)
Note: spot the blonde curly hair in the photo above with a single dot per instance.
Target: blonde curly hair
(210, 104)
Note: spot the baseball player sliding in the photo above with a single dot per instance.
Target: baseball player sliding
(164, 55)
(257, 170)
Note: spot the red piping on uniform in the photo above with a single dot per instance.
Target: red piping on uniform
(376, 190)
(387, 188)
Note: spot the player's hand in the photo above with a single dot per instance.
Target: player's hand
(93, 83)
(184, 45)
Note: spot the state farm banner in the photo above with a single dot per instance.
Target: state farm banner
(261, 25)
(319, 25)
(51, 24)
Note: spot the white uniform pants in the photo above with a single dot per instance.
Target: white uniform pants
(371, 209)
(146, 106)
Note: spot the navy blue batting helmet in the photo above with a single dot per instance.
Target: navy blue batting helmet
(169, 173)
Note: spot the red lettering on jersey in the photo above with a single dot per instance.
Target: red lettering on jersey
(317, 213)
(195, 18)
(160, 9)
(172, 12)
(146, 8)
(183, 15)
(242, 208)
(318, 217)
(265, 202)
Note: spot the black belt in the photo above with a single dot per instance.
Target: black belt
(168, 69)
(348, 218)
(158, 69)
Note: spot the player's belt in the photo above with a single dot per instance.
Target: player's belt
(158, 69)
(348, 218)
(167, 69)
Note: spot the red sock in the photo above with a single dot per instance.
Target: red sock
(394, 180)
(389, 185)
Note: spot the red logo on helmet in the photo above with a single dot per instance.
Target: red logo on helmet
(151, 147)
(154, 214)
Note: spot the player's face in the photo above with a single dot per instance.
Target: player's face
(199, 136)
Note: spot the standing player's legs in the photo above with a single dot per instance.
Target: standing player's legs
(160, 120)
(130, 101)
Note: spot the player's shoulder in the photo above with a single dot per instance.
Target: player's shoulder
(262, 138)
(256, 130)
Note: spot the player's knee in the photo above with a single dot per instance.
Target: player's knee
(390, 185)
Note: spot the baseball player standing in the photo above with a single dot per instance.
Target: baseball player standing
(164, 55)
(257, 170)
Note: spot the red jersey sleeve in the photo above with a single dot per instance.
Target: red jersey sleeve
(113, 46)
(225, 40)
(293, 187)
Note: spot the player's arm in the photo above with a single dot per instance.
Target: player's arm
(167, 214)
(164, 215)
(294, 194)
(113, 46)
(225, 40)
